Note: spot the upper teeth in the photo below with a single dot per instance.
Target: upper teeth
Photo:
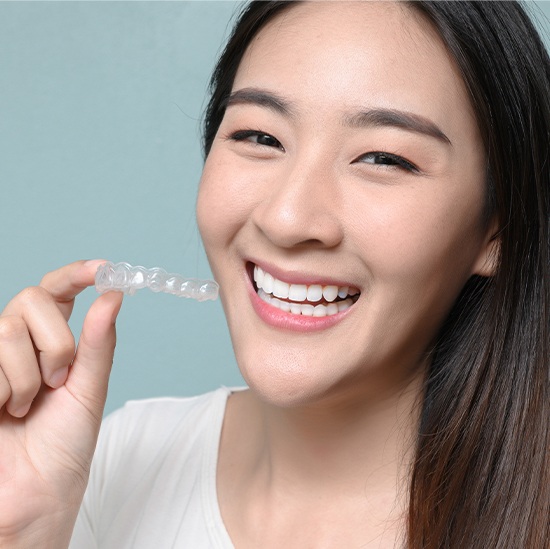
(300, 292)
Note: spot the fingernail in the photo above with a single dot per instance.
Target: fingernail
(58, 378)
(21, 412)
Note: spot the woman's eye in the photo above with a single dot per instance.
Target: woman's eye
(257, 137)
(387, 159)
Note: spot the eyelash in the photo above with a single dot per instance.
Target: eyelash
(391, 160)
(244, 135)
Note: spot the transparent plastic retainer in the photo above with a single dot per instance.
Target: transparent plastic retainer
(122, 277)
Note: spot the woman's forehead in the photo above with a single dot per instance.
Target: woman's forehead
(353, 54)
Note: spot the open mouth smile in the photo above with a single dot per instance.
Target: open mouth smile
(313, 300)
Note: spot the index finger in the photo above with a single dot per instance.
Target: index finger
(66, 283)
(59, 288)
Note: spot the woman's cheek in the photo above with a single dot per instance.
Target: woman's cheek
(230, 189)
(213, 208)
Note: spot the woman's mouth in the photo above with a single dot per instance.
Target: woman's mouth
(313, 300)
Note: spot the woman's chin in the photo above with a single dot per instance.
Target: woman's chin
(285, 386)
(295, 384)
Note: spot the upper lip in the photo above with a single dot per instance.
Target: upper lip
(301, 277)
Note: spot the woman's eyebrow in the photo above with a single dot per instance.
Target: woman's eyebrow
(262, 98)
(397, 119)
(375, 117)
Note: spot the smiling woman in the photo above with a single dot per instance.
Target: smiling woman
(334, 180)
(383, 263)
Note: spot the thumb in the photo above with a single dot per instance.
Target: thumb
(89, 375)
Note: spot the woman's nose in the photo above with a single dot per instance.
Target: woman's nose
(301, 208)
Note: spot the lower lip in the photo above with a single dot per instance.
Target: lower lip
(287, 321)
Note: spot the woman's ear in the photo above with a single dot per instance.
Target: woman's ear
(488, 258)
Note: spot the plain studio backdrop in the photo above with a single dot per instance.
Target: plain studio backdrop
(100, 109)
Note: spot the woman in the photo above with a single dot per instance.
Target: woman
(375, 205)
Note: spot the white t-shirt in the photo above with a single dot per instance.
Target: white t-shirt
(153, 478)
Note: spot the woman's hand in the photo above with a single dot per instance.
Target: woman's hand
(51, 404)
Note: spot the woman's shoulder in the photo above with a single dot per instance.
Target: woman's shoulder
(154, 456)
(142, 430)
(167, 408)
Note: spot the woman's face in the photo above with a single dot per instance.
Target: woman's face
(348, 161)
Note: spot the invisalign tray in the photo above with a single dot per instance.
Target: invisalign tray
(122, 277)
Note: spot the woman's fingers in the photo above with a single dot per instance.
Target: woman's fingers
(63, 285)
(89, 374)
(5, 389)
(66, 283)
(37, 346)
(19, 374)
(50, 333)
(91, 367)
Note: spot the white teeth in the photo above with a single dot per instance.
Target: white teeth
(302, 292)
(314, 293)
(267, 283)
(343, 305)
(262, 295)
(258, 276)
(330, 293)
(306, 309)
(297, 292)
(320, 310)
(280, 289)
(284, 306)
(343, 292)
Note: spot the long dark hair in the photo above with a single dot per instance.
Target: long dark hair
(481, 477)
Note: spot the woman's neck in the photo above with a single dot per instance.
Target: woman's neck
(347, 460)
(338, 444)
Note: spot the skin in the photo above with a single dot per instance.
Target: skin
(331, 415)
(47, 451)
(408, 241)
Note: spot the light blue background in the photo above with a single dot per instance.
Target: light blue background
(100, 105)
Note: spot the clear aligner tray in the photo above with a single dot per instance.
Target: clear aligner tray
(122, 277)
